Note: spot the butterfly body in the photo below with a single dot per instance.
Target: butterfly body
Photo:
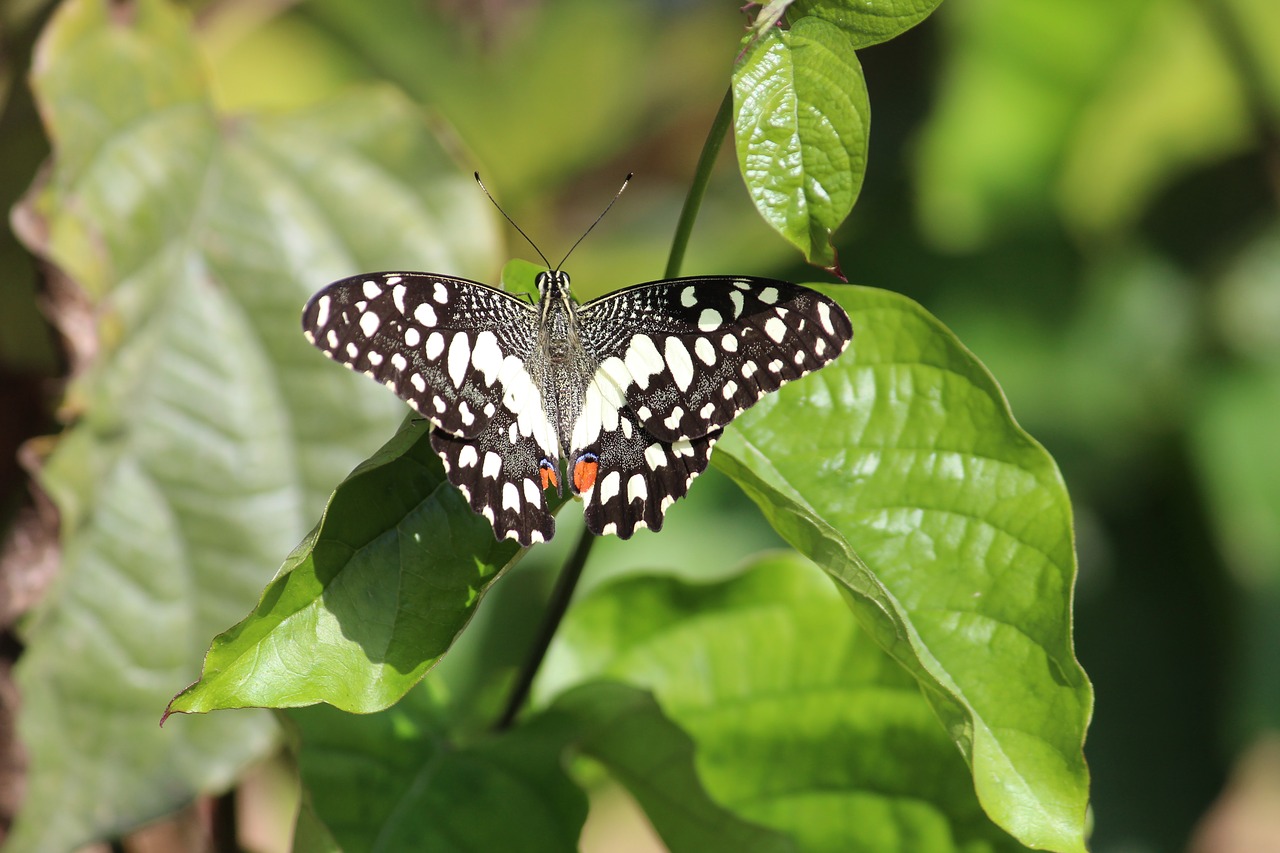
(622, 397)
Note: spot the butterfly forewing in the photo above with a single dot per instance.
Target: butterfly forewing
(688, 355)
(449, 347)
(457, 351)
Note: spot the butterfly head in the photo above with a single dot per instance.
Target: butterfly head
(553, 285)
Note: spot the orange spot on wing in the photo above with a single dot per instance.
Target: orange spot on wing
(584, 474)
(549, 477)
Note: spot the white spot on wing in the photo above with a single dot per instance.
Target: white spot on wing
(425, 314)
(730, 388)
(679, 363)
(689, 297)
(609, 486)
(748, 369)
(441, 293)
(464, 412)
(459, 356)
(673, 420)
(824, 316)
(371, 290)
(707, 411)
(435, 345)
(768, 295)
(510, 496)
(705, 351)
(532, 493)
(775, 329)
(398, 361)
(467, 457)
(322, 311)
(637, 488)
(412, 337)
(655, 456)
(642, 360)
(735, 297)
(486, 357)
(375, 357)
(418, 383)
(709, 320)
(492, 465)
(397, 296)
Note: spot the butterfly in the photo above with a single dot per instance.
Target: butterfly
(622, 396)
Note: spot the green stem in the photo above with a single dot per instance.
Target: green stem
(698, 189)
(556, 607)
(558, 604)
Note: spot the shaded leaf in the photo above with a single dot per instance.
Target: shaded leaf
(397, 781)
(208, 433)
(900, 470)
(801, 125)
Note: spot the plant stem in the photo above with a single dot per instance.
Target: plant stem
(698, 189)
(556, 607)
(558, 604)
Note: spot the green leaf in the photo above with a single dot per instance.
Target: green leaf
(801, 124)
(369, 601)
(900, 470)
(801, 722)
(520, 277)
(867, 22)
(397, 781)
(207, 432)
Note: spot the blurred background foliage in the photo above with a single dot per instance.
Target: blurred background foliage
(1086, 191)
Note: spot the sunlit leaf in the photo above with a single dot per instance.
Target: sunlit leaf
(801, 124)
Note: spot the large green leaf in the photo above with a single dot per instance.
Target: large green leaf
(208, 432)
(901, 471)
(801, 126)
(801, 722)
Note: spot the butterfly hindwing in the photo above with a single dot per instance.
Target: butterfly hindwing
(451, 348)
(499, 472)
(688, 355)
(636, 477)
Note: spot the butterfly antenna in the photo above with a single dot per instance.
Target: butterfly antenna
(616, 195)
(513, 222)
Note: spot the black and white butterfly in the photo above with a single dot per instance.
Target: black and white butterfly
(631, 389)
